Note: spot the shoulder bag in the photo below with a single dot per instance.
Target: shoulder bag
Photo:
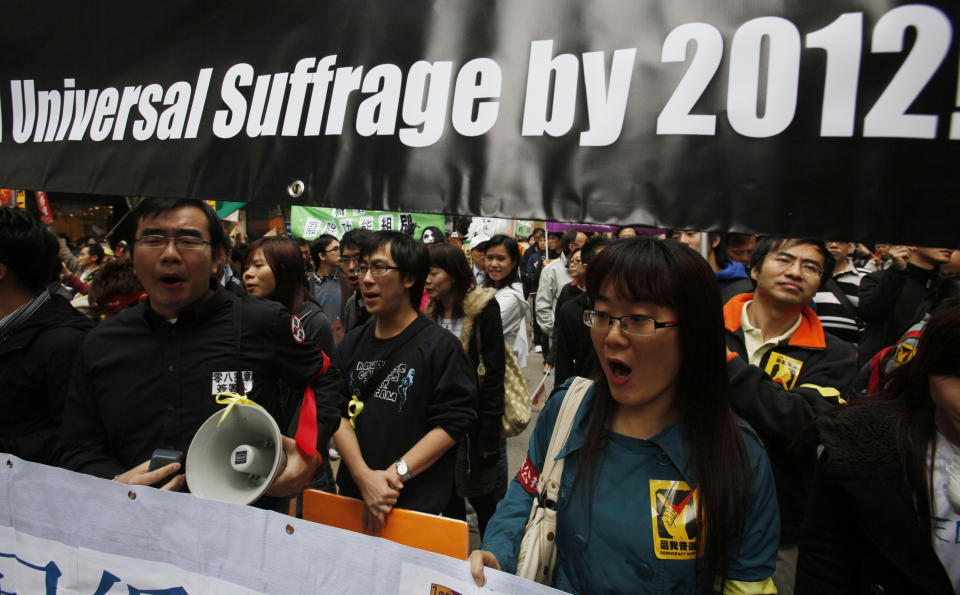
(538, 549)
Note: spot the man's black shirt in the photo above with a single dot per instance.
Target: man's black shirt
(141, 382)
(434, 386)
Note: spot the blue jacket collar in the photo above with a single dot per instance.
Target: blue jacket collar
(670, 440)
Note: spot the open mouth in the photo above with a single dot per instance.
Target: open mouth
(619, 372)
(172, 281)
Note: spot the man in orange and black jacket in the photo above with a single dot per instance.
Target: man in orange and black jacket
(784, 369)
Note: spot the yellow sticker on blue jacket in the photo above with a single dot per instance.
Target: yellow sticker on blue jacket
(783, 370)
(673, 506)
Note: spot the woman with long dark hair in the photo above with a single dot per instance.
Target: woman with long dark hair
(274, 271)
(884, 510)
(662, 490)
(501, 263)
(472, 314)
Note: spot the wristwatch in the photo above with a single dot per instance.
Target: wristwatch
(402, 470)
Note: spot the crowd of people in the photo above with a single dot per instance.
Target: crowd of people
(761, 415)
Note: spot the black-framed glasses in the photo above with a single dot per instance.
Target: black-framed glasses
(337, 249)
(159, 242)
(635, 324)
(345, 262)
(785, 260)
(375, 269)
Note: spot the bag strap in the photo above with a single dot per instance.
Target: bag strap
(834, 288)
(481, 369)
(398, 356)
(553, 469)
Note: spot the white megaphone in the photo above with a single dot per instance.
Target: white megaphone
(238, 461)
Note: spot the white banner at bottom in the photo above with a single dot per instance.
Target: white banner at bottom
(63, 532)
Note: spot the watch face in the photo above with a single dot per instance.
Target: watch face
(401, 468)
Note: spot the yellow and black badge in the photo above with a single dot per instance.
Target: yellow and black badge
(673, 506)
(904, 353)
(783, 370)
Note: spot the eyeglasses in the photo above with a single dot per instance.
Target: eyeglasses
(345, 262)
(636, 324)
(158, 242)
(785, 260)
(376, 269)
(576, 261)
(337, 249)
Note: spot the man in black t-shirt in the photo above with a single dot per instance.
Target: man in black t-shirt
(400, 451)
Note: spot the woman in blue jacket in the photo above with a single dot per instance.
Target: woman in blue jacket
(662, 491)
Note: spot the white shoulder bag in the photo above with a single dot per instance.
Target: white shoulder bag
(538, 549)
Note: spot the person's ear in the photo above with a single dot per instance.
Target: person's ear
(754, 273)
(408, 280)
(219, 258)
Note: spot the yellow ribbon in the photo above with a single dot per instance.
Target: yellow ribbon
(231, 400)
(354, 409)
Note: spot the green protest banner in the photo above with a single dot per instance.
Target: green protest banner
(310, 222)
(524, 227)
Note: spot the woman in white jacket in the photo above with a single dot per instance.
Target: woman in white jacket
(502, 259)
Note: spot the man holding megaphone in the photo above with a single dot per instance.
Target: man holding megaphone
(148, 378)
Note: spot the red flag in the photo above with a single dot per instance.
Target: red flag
(44, 205)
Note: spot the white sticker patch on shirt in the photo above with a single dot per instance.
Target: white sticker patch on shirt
(296, 329)
(226, 382)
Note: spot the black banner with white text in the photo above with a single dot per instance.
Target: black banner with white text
(839, 120)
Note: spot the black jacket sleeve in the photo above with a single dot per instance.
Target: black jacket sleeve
(879, 292)
(779, 414)
(299, 361)
(564, 346)
(491, 394)
(454, 403)
(83, 437)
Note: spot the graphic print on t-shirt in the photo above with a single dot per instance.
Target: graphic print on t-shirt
(673, 508)
(393, 388)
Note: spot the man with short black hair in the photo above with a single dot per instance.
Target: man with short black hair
(148, 378)
(839, 296)
(572, 352)
(894, 299)
(325, 251)
(229, 277)
(40, 334)
(740, 247)
(411, 392)
(554, 276)
(732, 277)
(352, 244)
(784, 370)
